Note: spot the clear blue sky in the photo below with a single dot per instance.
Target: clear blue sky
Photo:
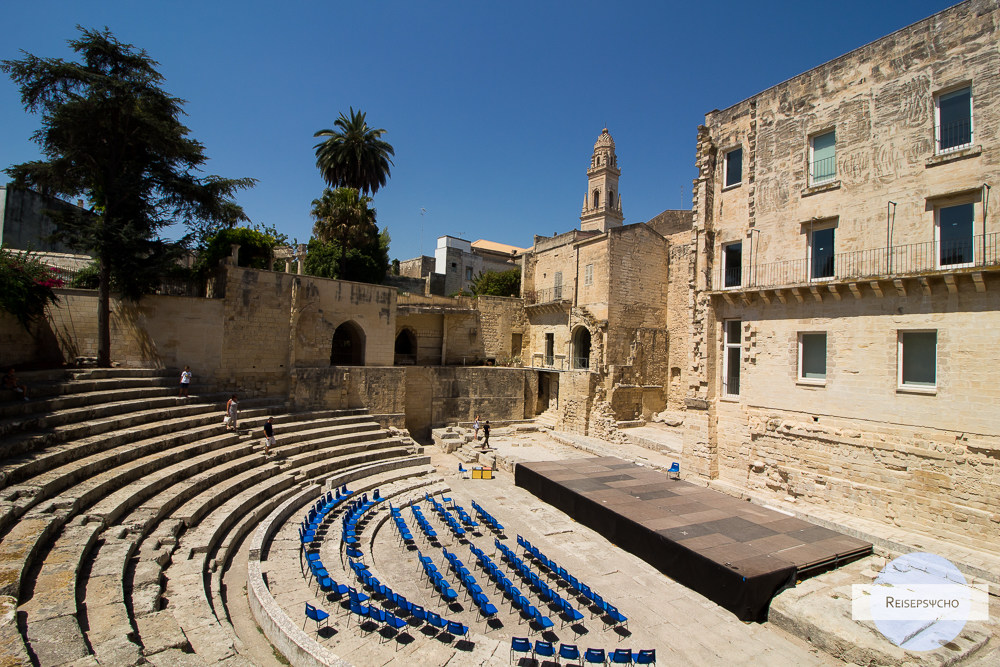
(493, 108)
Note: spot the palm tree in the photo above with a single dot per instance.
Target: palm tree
(354, 155)
(344, 215)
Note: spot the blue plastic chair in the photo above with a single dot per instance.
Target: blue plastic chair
(675, 470)
(621, 656)
(317, 615)
(435, 620)
(570, 615)
(455, 628)
(616, 616)
(419, 613)
(570, 652)
(644, 657)
(519, 645)
(393, 621)
(541, 619)
(595, 656)
(544, 649)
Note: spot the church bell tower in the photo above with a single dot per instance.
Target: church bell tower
(602, 205)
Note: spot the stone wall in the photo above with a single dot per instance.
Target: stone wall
(380, 389)
(499, 319)
(19, 346)
(157, 331)
(320, 305)
(924, 459)
(679, 305)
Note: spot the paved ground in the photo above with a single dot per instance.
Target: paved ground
(684, 627)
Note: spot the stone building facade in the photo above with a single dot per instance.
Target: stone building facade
(596, 303)
(845, 302)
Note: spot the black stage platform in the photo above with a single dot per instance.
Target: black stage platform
(737, 554)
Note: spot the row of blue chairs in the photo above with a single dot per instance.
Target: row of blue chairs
(594, 656)
(517, 600)
(436, 579)
(317, 514)
(450, 521)
(401, 527)
(545, 593)
(355, 510)
(404, 606)
(464, 517)
(422, 521)
(487, 518)
(472, 588)
(574, 584)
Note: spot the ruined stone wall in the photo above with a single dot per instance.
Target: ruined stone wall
(157, 332)
(417, 267)
(499, 318)
(679, 305)
(464, 343)
(576, 398)
(380, 389)
(428, 330)
(321, 305)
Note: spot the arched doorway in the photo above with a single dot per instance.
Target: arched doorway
(348, 345)
(581, 348)
(405, 352)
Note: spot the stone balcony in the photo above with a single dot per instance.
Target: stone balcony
(900, 268)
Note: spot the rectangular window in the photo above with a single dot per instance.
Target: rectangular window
(550, 349)
(733, 164)
(557, 286)
(953, 113)
(468, 273)
(588, 274)
(955, 229)
(812, 356)
(731, 359)
(732, 264)
(823, 161)
(918, 359)
(821, 253)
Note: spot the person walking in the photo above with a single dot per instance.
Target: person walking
(475, 428)
(486, 434)
(185, 381)
(232, 413)
(269, 440)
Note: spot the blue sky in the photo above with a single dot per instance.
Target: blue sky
(492, 108)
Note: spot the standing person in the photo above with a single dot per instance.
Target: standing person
(185, 381)
(269, 440)
(475, 428)
(232, 412)
(11, 382)
(486, 434)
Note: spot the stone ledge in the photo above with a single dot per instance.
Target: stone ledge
(945, 158)
(821, 187)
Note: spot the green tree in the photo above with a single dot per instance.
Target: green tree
(354, 155)
(365, 263)
(343, 216)
(497, 283)
(111, 134)
(256, 247)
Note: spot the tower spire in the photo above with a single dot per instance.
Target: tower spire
(602, 203)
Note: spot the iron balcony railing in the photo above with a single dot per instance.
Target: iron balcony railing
(545, 295)
(954, 135)
(824, 170)
(901, 260)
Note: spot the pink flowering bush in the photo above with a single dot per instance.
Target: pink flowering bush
(26, 285)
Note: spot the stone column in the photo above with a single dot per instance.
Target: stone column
(234, 256)
(301, 257)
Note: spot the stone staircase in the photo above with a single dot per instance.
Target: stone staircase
(548, 419)
(121, 503)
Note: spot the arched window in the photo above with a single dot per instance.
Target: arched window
(597, 199)
(348, 345)
(406, 348)
(581, 348)
(611, 199)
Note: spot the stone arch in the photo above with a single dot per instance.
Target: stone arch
(405, 349)
(581, 348)
(348, 348)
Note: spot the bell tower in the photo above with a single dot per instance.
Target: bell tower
(602, 205)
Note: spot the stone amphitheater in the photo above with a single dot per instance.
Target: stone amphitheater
(137, 530)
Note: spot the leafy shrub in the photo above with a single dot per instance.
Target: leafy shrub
(26, 285)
